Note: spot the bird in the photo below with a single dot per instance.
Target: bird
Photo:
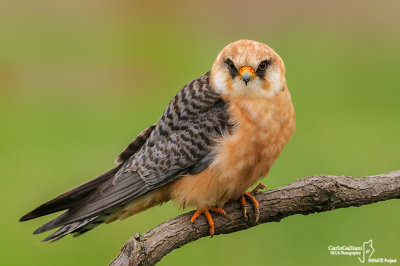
(218, 137)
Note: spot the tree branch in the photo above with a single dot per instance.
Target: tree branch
(309, 195)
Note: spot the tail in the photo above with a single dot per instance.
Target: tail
(77, 227)
(68, 200)
(155, 197)
(71, 197)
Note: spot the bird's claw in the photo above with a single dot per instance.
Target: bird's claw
(244, 208)
(208, 216)
(259, 187)
(253, 201)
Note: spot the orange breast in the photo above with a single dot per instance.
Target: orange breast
(264, 126)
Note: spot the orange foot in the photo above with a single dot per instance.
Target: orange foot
(253, 200)
(208, 216)
(258, 188)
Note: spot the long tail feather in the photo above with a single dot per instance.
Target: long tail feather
(76, 227)
(71, 197)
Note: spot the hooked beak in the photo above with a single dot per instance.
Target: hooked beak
(246, 73)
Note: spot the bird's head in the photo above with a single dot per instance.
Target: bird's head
(248, 69)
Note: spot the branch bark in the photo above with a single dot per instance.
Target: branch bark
(309, 195)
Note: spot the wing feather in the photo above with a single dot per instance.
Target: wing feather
(181, 142)
(71, 197)
(184, 135)
(106, 197)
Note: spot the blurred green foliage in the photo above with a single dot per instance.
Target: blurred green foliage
(76, 88)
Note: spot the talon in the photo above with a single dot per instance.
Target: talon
(210, 221)
(259, 187)
(218, 210)
(255, 205)
(208, 216)
(244, 207)
(196, 215)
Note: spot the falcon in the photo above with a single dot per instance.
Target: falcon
(217, 137)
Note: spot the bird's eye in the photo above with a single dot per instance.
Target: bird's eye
(231, 65)
(263, 65)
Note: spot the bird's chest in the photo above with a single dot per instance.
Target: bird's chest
(262, 130)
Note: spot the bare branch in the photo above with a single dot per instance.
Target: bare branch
(309, 195)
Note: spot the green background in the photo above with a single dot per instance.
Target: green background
(79, 79)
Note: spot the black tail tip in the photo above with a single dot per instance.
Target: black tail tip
(39, 230)
(27, 217)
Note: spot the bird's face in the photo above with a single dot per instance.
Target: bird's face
(248, 69)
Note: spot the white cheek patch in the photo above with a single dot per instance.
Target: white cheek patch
(274, 78)
(219, 82)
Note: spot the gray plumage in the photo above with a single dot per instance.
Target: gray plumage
(179, 143)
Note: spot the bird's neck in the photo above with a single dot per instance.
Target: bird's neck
(260, 111)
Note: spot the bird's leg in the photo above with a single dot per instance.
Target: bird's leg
(244, 207)
(253, 200)
(207, 214)
(255, 205)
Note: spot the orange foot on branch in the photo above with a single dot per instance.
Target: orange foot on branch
(258, 188)
(253, 200)
(208, 216)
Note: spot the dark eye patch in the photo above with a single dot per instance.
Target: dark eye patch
(231, 67)
(262, 68)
